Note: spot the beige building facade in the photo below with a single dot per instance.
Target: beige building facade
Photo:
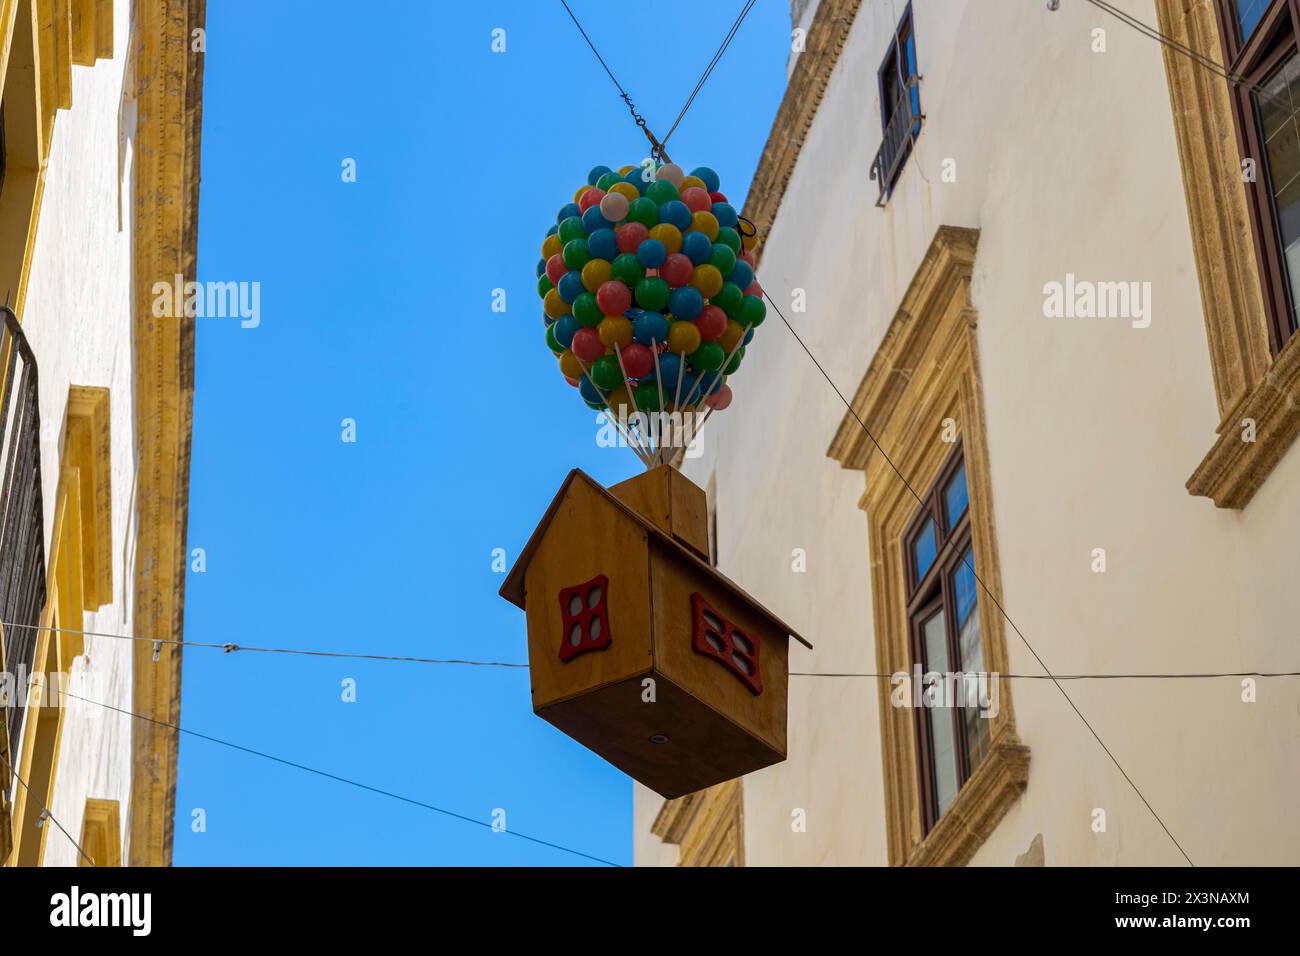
(98, 200)
(1045, 260)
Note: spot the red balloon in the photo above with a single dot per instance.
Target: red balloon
(590, 197)
(555, 268)
(755, 289)
(639, 361)
(613, 297)
(712, 322)
(587, 345)
(630, 235)
(747, 256)
(720, 399)
(696, 199)
(717, 197)
(571, 381)
(677, 269)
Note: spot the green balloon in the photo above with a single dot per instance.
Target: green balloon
(644, 211)
(735, 361)
(752, 311)
(551, 344)
(709, 357)
(605, 373)
(597, 406)
(572, 228)
(729, 299)
(722, 258)
(627, 269)
(576, 255)
(647, 396)
(661, 191)
(651, 294)
(587, 311)
(609, 179)
(729, 238)
(544, 285)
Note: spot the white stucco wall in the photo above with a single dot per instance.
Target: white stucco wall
(77, 317)
(1066, 162)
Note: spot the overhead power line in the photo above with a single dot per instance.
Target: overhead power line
(340, 779)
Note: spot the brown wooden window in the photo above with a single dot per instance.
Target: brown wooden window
(900, 106)
(1260, 46)
(944, 624)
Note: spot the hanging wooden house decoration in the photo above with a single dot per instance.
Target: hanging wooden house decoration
(638, 647)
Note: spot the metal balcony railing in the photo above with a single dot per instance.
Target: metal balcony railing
(904, 126)
(22, 521)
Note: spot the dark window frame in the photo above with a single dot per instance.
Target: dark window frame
(934, 593)
(1254, 59)
(904, 31)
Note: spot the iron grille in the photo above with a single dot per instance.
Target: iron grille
(22, 520)
(900, 134)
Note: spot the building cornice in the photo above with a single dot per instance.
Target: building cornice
(803, 95)
(169, 86)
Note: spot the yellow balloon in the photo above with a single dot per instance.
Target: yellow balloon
(625, 189)
(551, 246)
(706, 223)
(669, 235)
(731, 335)
(707, 279)
(624, 170)
(615, 330)
(749, 242)
(683, 337)
(595, 273)
(570, 365)
(578, 194)
(689, 181)
(554, 305)
(620, 402)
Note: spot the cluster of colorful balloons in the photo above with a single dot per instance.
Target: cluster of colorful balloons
(647, 284)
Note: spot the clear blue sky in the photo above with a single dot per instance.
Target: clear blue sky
(376, 306)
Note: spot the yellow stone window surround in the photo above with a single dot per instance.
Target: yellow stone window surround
(921, 395)
(1258, 392)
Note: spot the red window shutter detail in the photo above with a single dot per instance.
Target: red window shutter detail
(731, 647)
(585, 615)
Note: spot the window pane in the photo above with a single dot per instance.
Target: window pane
(943, 745)
(954, 497)
(975, 727)
(1248, 14)
(1277, 104)
(923, 549)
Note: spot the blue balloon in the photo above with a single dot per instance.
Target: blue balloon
(686, 302)
(541, 267)
(708, 177)
(565, 326)
(710, 382)
(571, 287)
(569, 209)
(592, 220)
(650, 327)
(742, 275)
(697, 248)
(634, 177)
(593, 177)
(690, 390)
(590, 393)
(651, 253)
(602, 243)
(553, 230)
(669, 365)
(748, 335)
(726, 214)
(676, 213)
